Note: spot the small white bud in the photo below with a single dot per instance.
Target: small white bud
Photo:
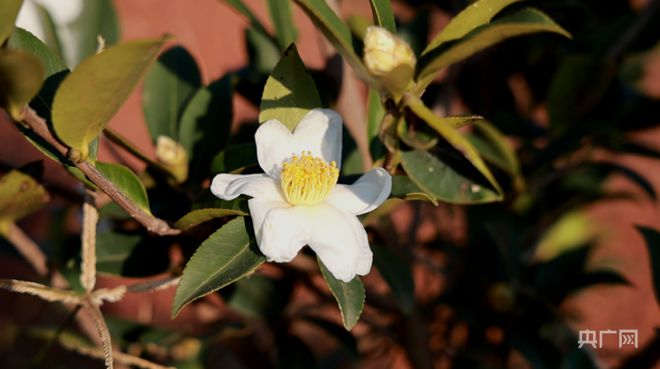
(383, 51)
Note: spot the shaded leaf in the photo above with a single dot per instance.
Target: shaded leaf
(127, 182)
(383, 15)
(235, 158)
(474, 15)
(255, 24)
(350, 296)
(78, 115)
(520, 23)
(398, 275)
(130, 254)
(259, 296)
(403, 187)
(290, 91)
(22, 76)
(431, 174)
(98, 18)
(8, 13)
(285, 29)
(20, 195)
(168, 87)
(26, 41)
(262, 51)
(226, 256)
(493, 146)
(199, 216)
(652, 238)
(375, 114)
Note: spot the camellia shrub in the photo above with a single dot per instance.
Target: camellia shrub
(224, 216)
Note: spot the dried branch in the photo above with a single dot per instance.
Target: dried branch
(88, 238)
(103, 332)
(28, 249)
(153, 224)
(108, 294)
(119, 357)
(152, 286)
(41, 291)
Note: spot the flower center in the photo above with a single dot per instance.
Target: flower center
(307, 180)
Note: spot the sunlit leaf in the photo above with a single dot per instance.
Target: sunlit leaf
(26, 41)
(571, 231)
(350, 296)
(91, 94)
(199, 216)
(285, 29)
(127, 182)
(520, 23)
(226, 256)
(290, 91)
(20, 195)
(335, 30)
(383, 15)
(8, 13)
(168, 87)
(22, 76)
(445, 183)
(474, 15)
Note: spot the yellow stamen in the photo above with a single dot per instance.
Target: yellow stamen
(307, 180)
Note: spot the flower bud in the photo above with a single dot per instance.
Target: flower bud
(383, 51)
(173, 156)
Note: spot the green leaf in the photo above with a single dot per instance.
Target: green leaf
(474, 15)
(350, 296)
(428, 179)
(398, 275)
(259, 296)
(226, 256)
(494, 148)
(199, 216)
(205, 125)
(131, 254)
(262, 51)
(22, 76)
(375, 114)
(383, 15)
(26, 41)
(94, 91)
(51, 37)
(20, 195)
(520, 23)
(652, 238)
(235, 159)
(98, 18)
(403, 187)
(8, 13)
(255, 24)
(285, 29)
(335, 30)
(290, 91)
(442, 182)
(571, 231)
(168, 87)
(127, 182)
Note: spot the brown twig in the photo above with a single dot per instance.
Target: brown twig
(153, 224)
(28, 249)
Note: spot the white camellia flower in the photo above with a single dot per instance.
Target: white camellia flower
(298, 202)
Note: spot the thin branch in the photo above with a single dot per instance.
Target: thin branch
(41, 291)
(153, 224)
(28, 249)
(120, 357)
(88, 238)
(108, 294)
(103, 331)
(152, 286)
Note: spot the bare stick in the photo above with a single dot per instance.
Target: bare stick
(88, 238)
(153, 224)
(28, 249)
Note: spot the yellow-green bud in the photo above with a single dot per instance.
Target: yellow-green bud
(173, 156)
(383, 51)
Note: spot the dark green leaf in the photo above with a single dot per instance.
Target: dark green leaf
(78, 115)
(255, 24)
(22, 76)
(258, 296)
(404, 188)
(652, 238)
(383, 15)
(520, 23)
(8, 13)
(199, 216)
(98, 18)
(290, 91)
(26, 41)
(375, 114)
(398, 275)
(285, 29)
(127, 182)
(20, 195)
(262, 51)
(205, 125)
(350, 296)
(226, 256)
(494, 148)
(235, 159)
(168, 87)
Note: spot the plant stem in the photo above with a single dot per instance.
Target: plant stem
(153, 224)
(124, 143)
(28, 249)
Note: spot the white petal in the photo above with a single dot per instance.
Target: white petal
(282, 231)
(339, 240)
(318, 132)
(363, 196)
(230, 186)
